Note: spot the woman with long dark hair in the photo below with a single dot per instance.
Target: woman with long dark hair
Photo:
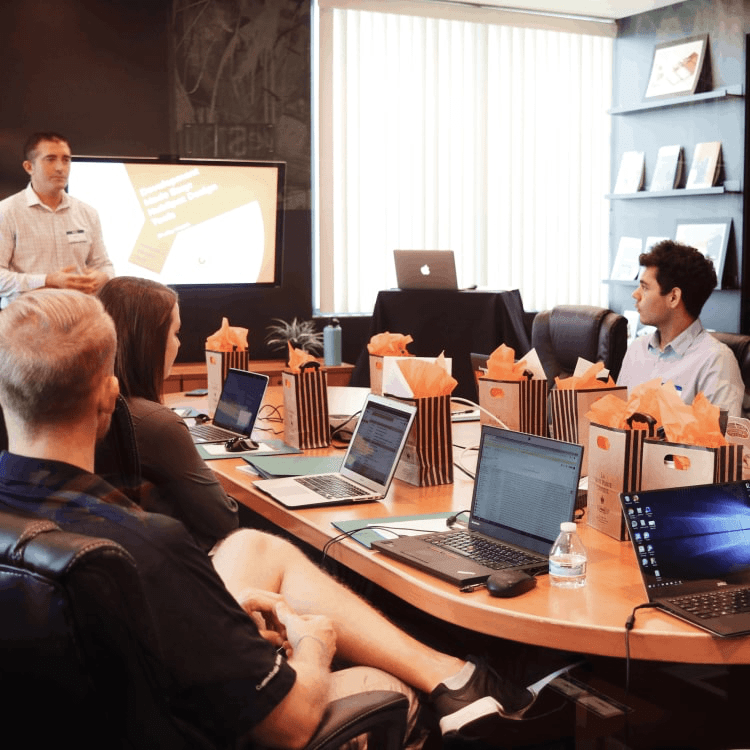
(147, 319)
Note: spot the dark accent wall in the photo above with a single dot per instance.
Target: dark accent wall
(148, 77)
(726, 22)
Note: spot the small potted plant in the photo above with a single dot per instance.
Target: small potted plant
(301, 334)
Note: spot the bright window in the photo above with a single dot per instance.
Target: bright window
(490, 140)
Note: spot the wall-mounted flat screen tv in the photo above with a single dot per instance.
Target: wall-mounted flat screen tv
(189, 221)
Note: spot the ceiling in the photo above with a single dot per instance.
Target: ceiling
(609, 9)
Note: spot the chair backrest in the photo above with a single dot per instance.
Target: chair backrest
(739, 343)
(77, 646)
(567, 332)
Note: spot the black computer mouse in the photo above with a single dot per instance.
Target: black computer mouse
(507, 583)
(235, 445)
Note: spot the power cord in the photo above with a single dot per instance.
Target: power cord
(452, 521)
(382, 527)
(474, 405)
(629, 625)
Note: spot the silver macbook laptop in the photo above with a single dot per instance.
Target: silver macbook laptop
(693, 550)
(525, 487)
(237, 410)
(425, 269)
(368, 466)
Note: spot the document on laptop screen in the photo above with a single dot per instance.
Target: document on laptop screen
(525, 485)
(377, 441)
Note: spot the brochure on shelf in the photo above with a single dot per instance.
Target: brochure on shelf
(626, 265)
(668, 170)
(632, 173)
(706, 165)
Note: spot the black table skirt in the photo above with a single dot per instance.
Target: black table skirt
(457, 323)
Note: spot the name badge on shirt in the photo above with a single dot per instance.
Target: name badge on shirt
(76, 235)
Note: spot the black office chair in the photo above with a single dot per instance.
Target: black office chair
(79, 660)
(739, 343)
(566, 332)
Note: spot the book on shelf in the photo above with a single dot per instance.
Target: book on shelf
(626, 265)
(706, 165)
(668, 170)
(632, 172)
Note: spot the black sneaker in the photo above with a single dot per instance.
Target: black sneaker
(474, 710)
(469, 711)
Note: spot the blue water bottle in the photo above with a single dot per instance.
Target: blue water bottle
(332, 344)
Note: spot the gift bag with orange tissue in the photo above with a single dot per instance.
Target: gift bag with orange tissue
(428, 455)
(694, 450)
(383, 345)
(225, 349)
(305, 389)
(514, 392)
(571, 398)
(615, 450)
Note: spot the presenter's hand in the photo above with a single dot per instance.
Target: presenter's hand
(92, 281)
(88, 282)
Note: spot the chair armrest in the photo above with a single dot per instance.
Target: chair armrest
(380, 713)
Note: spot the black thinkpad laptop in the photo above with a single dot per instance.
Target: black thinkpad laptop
(525, 488)
(693, 550)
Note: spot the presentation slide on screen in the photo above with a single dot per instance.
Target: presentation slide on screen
(184, 223)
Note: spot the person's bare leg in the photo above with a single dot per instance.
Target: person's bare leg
(252, 559)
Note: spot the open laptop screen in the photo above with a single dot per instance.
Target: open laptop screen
(241, 398)
(377, 441)
(525, 488)
(689, 534)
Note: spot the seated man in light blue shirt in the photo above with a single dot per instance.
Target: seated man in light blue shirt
(675, 284)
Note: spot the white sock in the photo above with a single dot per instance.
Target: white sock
(458, 680)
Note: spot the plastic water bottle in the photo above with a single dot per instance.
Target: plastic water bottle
(567, 559)
(332, 344)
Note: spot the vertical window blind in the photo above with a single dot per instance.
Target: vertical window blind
(489, 140)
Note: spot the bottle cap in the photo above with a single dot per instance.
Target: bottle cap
(568, 526)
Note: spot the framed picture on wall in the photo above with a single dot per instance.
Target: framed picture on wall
(676, 67)
(710, 236)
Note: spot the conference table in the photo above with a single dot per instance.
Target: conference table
(590, 620)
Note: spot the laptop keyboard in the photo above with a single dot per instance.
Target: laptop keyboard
(211, 432)
(715, 603)
(332, 487)
(495, 555)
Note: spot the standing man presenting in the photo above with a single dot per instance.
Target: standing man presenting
(47, 237)
(675, 284)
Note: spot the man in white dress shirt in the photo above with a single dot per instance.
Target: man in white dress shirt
(47, 237)
(675, 284)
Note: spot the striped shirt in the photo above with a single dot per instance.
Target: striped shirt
(35, 241)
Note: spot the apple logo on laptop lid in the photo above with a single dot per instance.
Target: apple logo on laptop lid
(425, 270)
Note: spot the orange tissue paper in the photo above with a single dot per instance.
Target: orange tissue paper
(587, 381)
(297, 358)
(426, 379)
(687, 424)
(501, 365)
(389, 344)
(227, 338)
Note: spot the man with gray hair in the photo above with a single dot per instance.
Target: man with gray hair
(248, 638)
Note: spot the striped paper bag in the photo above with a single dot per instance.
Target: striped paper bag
(306, 423)
(428, 454)
(521, 405)
(217, 366)
(615, 466)
(678, 465)
(568, 420)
